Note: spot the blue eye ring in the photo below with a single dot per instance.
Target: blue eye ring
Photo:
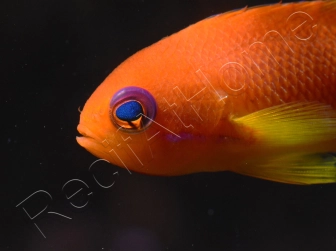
(132, 109)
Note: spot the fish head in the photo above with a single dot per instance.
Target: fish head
(152, 114)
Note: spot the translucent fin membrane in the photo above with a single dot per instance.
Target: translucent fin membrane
(290, 124)
(319, 168)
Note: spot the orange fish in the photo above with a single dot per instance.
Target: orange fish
(250, 91)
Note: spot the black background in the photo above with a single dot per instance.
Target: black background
(53, 54)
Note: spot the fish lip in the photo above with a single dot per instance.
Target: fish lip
(86, 139)
(84, 131)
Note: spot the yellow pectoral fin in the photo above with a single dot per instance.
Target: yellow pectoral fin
(306, 169)
(289, 124)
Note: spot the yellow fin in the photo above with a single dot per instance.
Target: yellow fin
(308, 169)
(290, 124)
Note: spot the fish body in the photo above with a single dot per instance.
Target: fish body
(251, 91)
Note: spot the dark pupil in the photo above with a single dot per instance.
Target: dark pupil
(129, 111)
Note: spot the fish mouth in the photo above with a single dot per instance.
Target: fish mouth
(86, 136)
(83, 130)
(91, 142)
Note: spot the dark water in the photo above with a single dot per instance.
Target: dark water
(53, 56)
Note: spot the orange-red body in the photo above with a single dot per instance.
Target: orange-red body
(220, 68)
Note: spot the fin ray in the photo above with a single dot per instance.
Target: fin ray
(318, 168)
(290, 124)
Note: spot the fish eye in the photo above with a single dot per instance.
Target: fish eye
(132, 109)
